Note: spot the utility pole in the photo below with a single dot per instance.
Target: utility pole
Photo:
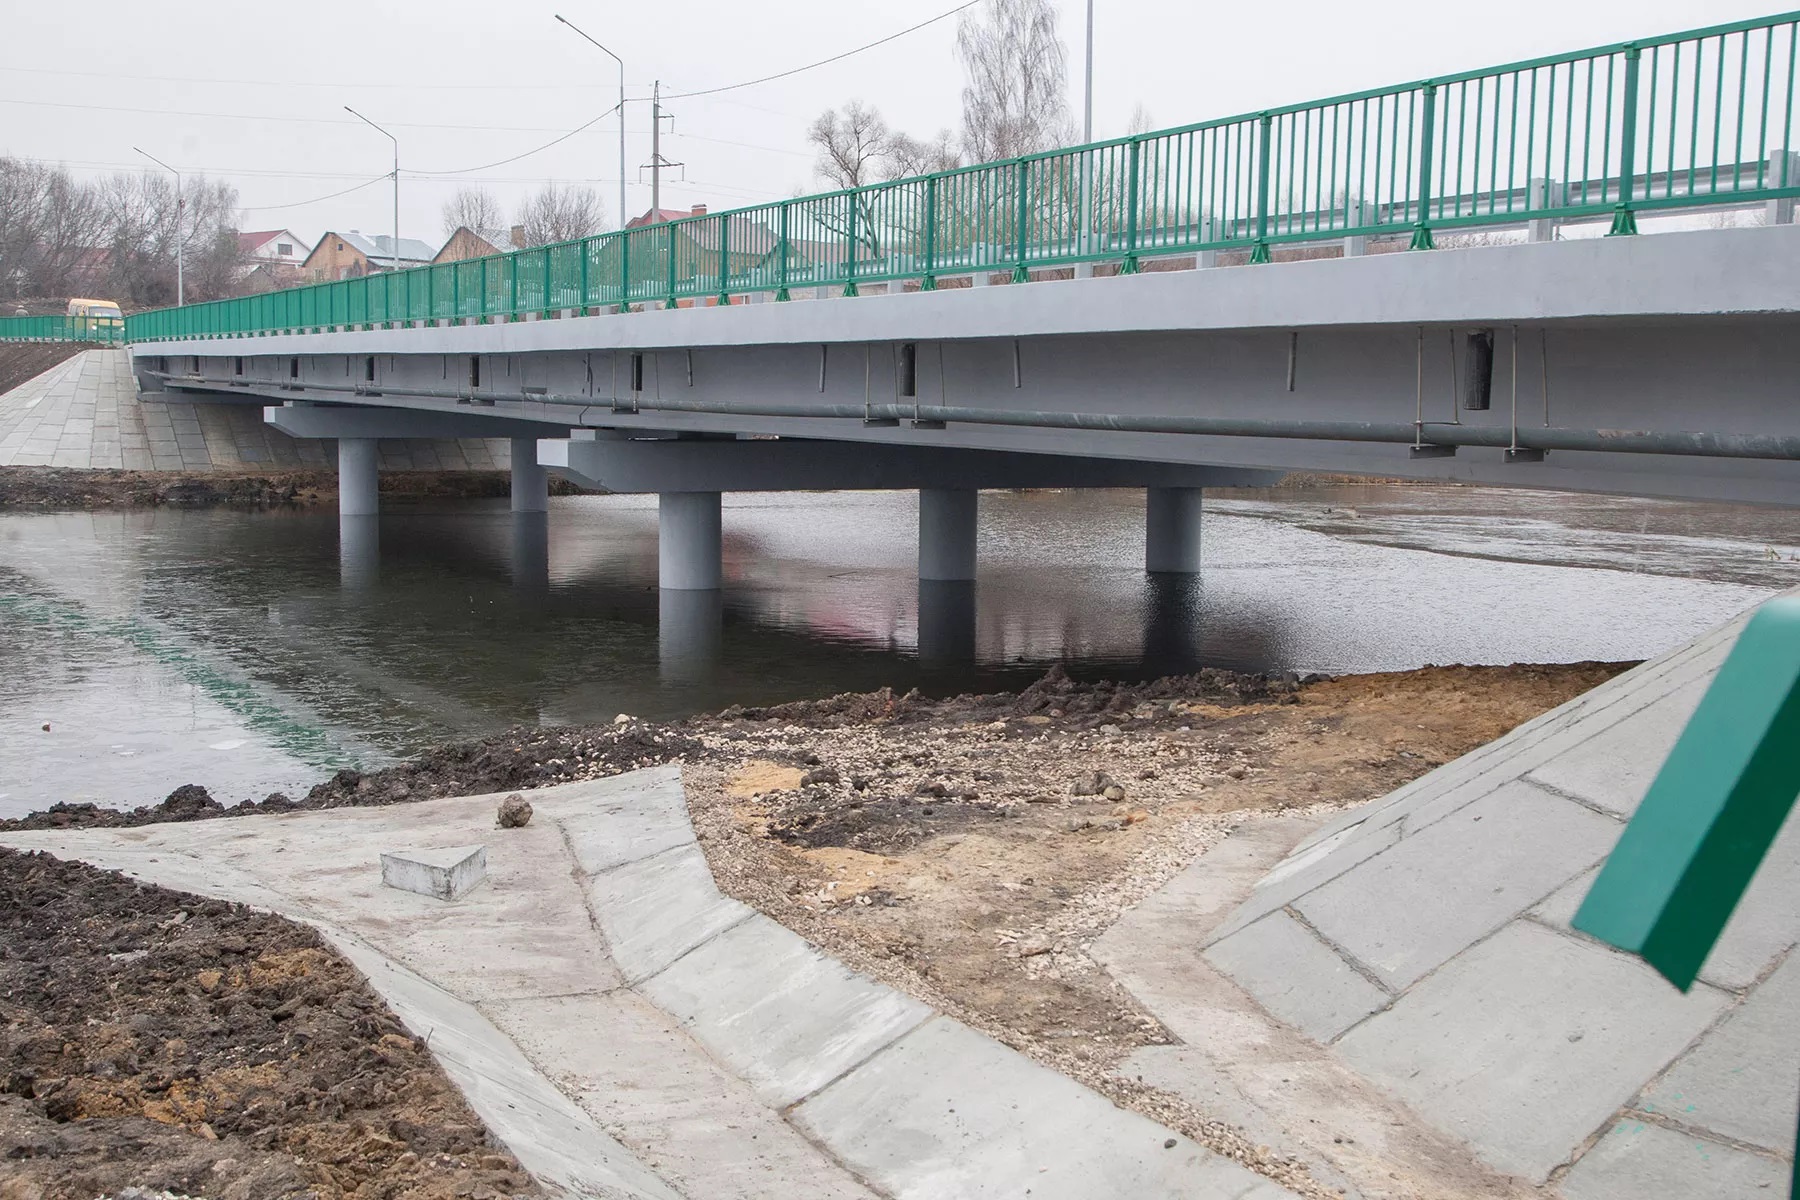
(621, 62)
(180, 221)
(394, 260)
(657, 161)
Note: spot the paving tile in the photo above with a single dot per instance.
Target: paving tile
(654, 910)
(1613, 769)
(1527, 1043)
(1743, 1080)
(1429, 897)
(1638, 1161)
(1297, 977)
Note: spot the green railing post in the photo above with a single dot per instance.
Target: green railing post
(781, 248)
(725, 260)
(484, 292)
(669, 299)
(512, 273)
(624, 270)
(850, 245)
(1624, 219)
(1131, 212)
(586, 246)
(1421, 239)
(1020, 273)
(1259, 252)
(929, 282)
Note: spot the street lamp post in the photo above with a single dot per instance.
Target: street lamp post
(394, 259)
(621, 63)
(1085, 270)
(180, 215)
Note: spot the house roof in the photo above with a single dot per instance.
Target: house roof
(380, 247)
(249, 243)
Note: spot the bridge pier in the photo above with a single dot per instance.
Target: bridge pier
(1172, 530)
(359, 477)
(690, 635)
(688, 541)
(947, 533)
(530, 482)
(359, 550)
(947, 621)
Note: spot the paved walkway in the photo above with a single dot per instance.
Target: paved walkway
(86, 413)
(630, 1032)
(1403, 991)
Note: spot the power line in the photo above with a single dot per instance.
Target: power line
(515, 158)
(310, 83)
(171, 112)
(732, 87)
(315, 200)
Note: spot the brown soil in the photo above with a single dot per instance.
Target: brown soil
(68, 488)
(153, 1039)
(20, 361)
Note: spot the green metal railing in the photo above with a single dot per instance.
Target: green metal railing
(61, 329)
(1691, 120)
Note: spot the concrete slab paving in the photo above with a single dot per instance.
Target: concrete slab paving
(1528, 1043)
(1742, 1081)
(1484, 864)
(1636, 1160)
(656, 909)
(783, 1015)
(1297, 977)
(945, 1112)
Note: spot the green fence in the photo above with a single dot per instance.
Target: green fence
(61, 329)
(1693, 120)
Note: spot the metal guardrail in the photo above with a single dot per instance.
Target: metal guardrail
(1688, 121)
(61, 329)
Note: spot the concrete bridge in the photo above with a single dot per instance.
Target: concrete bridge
(1118, 315)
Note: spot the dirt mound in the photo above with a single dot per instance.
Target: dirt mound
(163, 1041)
(20, 361)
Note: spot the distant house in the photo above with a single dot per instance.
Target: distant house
(271, 247)
(749, 243)
(350, 255)
(465, 243)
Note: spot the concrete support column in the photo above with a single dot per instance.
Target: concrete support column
(531, 551)
(946, 622)
(688, 541)
(359, 478)
(947, 533)
(690, 635)
(1172, 530)
(359, 550)
(530, 482)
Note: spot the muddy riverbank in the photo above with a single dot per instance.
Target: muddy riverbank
(63, 488)
(157, 1040)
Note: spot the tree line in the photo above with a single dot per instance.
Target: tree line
(114, 237)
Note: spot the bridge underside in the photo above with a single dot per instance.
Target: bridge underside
(1656, 366)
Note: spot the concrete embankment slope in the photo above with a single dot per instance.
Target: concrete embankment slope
(86, 413)
(1403, 989)
(629, 1031)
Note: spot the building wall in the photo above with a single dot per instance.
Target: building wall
(334, 258)
(464, 245)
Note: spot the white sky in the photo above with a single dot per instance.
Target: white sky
(463, 84)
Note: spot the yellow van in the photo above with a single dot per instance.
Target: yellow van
(102, 313)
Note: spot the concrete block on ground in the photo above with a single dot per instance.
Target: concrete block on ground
(948, 1112)
(1447, 886)
(449, 873)
(1304, 870)
(1636, 1160)
(1527, 1043)
(1297, 977)
(656, 909)
(1613, 769)
(1741, 1080)
(782, 1015)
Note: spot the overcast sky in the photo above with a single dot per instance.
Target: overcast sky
(254, 93)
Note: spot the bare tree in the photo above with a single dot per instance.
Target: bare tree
(1016, 67)
(142, 225)
(561, 213)
(853, 143)
(908, 156)
(475, 209)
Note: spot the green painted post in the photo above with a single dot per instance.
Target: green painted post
(781, 248)
(1020, 273)
(512, 285)
(929, 281)
(1624, 219)
(1259, 253)
(1131, 212)
(586, 251)
(1421, 238)
(484, 292)
(669, 299)
(624, 270)
(724, 260)
(850, 245)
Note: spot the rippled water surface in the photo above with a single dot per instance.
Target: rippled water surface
(254, 652)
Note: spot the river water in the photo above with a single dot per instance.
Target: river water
(254, 652)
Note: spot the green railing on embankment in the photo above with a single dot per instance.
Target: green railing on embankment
(61, 329)
(1692, 120)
